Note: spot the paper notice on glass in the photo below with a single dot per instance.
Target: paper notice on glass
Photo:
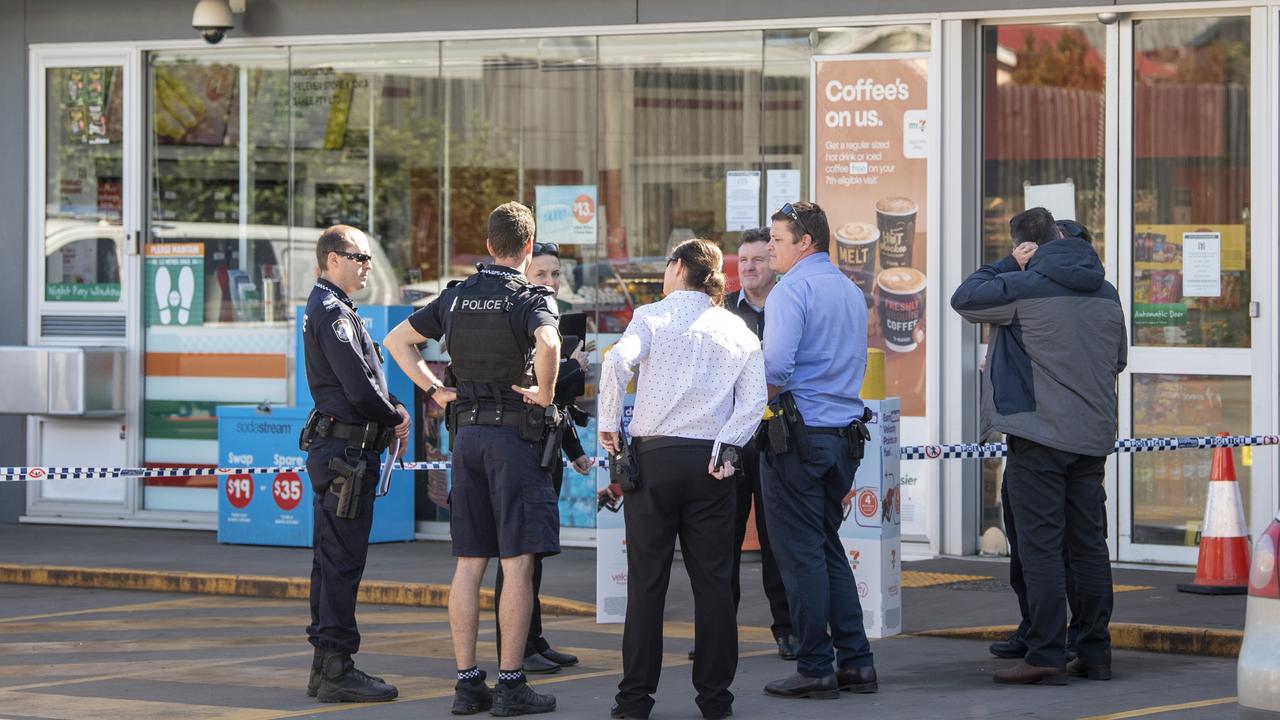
(384, 482)
(1202, 264)
(741, 200)
(781, 187)
(1058, 198)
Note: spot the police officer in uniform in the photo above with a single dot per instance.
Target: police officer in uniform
(501, 333)
(354, 420)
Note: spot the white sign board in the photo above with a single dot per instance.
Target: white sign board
(781, 187)
(1202, 264)
(1058, 198)
(741, 200)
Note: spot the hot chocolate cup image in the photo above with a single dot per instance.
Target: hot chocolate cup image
(901, 306)
(896, 219)
(856, 244)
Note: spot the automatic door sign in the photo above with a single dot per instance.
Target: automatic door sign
(287, 490)
(239, 491)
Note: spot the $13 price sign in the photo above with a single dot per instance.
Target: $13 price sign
(287, 490)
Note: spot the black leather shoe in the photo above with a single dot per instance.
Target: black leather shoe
(1013, 648)
(536, 664)
(559, 658)
(520, 700)
(472, 696)
(718, 715)
(857, 679)
(619, 714)
(799, 686)
(787, 645)
(1024, 674)
(342, 681)
(1078, 668)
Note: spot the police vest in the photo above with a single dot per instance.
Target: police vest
(482, 339)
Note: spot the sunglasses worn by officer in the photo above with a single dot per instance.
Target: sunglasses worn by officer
(360, 258)
(546, 249)
(791, 213)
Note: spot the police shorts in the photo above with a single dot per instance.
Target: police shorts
(502, 503)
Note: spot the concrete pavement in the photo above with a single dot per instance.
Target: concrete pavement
(75, 654)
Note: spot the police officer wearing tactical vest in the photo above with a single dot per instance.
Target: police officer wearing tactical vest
(501, 333)
(354, 420)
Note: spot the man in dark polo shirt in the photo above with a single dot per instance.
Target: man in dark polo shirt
(757, 281)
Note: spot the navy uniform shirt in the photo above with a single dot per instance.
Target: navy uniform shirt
(344, 366)
(531, 311)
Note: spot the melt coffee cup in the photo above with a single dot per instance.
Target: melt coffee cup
(901, 306)
(896, 219)
(856, 244)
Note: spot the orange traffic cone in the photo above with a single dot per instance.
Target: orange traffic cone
(1223, 568)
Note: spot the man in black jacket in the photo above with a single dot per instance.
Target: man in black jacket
(748, 303)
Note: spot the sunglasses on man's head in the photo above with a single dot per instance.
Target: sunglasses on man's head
(546, 249)
(361, 258)
(790, 212)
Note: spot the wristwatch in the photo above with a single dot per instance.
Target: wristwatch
(433, 390)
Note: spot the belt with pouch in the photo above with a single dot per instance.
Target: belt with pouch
(358, 435)
(492, 415)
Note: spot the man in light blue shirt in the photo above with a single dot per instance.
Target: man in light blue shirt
(815, 351)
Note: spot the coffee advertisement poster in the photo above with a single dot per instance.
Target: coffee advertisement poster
(870, 174)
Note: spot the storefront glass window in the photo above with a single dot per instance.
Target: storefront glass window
(1191, 183)
(1169, 488)
(622, 145)
(1043, 144)
(216, 256)
(83, 233)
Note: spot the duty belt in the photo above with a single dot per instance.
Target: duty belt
(368, 435)
(486, 414)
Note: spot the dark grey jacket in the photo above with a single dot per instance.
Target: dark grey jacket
(1060, 341)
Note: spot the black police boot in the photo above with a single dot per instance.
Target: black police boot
(342, 681)
(472, 696)
(313, 682)
(512, 700)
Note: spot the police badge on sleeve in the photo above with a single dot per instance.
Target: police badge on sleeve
(342, 328)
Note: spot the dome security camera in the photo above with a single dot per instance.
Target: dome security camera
(1108, 18)
(213, 19)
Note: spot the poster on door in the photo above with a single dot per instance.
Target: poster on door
(174, 286)
(870, 174)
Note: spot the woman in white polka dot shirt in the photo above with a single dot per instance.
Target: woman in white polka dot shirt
(701, 390)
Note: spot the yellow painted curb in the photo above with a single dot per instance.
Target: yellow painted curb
(381, 592)
(1128, 636)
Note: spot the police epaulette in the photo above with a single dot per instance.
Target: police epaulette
(542, 290)
(453, 284)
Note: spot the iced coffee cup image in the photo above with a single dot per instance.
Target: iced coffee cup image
(896, 220)
(901, 306)
(856, 244)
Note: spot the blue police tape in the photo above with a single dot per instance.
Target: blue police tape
(910, 452)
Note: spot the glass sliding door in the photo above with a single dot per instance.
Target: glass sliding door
(1190, 275)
